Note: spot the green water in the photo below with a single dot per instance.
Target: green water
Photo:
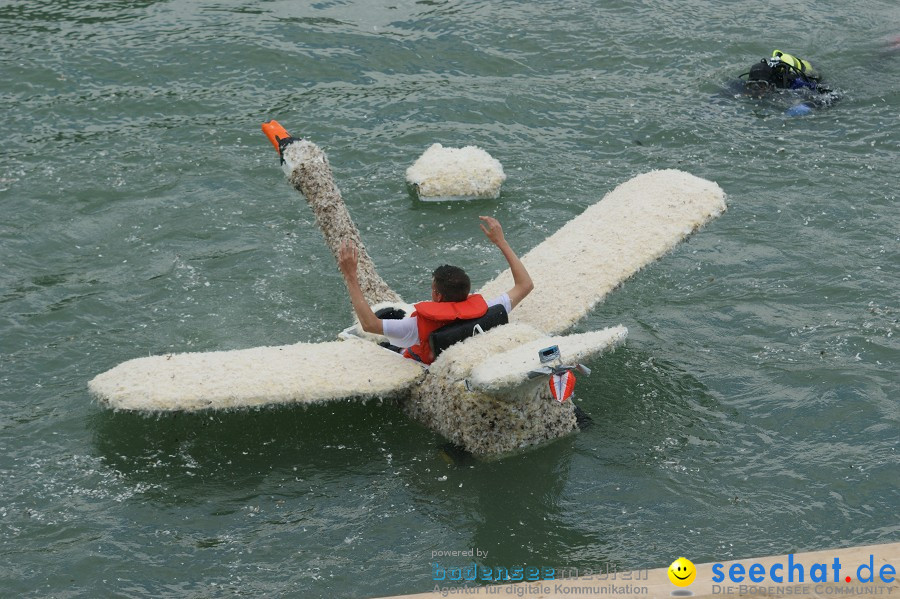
(753, 411)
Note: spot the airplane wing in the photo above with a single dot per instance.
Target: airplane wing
(633, 225)
(304, 373)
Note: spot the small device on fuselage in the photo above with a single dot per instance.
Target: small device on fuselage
(548, 354)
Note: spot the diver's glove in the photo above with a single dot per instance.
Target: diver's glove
(799, 110)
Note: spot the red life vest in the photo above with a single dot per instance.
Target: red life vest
(430, 316)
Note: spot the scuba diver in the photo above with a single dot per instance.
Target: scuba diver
(786, 72)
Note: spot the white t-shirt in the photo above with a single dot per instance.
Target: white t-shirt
(404, 332)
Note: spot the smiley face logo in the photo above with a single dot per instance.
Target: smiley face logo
(682, 572)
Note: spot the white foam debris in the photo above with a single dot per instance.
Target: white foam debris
(633, 225)
(456, 173)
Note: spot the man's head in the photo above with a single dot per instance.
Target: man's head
(761, 73)
(774, 73)
(768, 75)
(449, 284)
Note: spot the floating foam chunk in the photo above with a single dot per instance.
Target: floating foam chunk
(467, 173)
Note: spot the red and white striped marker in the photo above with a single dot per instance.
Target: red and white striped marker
(562, 385)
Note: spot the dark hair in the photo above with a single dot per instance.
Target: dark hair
(452, 283)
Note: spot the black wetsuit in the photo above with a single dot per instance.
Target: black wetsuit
(769, 75)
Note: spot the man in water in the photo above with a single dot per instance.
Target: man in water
(450, 297)
(786, 72)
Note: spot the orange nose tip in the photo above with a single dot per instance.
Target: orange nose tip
(275, 132)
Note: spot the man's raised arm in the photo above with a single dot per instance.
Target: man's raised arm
(347, 262)
(522, 283)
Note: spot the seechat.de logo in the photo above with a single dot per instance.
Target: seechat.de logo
(798, 572)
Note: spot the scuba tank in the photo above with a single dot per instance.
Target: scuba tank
(783, 71)
(791, 72)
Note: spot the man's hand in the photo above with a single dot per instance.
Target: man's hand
(348, 258)
(493, 230)
(522, 284)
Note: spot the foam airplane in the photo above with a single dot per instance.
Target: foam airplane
(491, 394)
